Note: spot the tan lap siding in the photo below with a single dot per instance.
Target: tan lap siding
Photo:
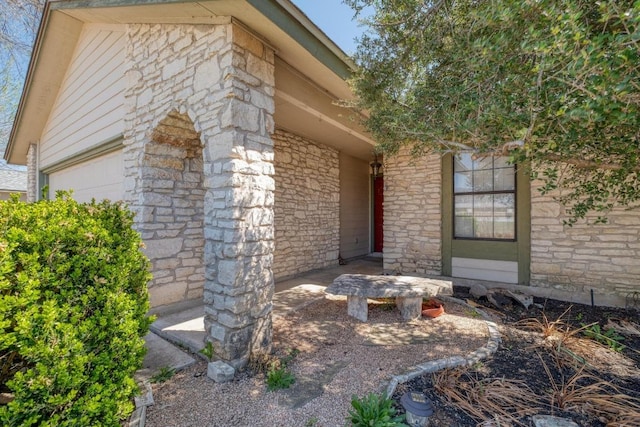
(89, 106)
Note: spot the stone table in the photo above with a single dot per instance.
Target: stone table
(407, 290)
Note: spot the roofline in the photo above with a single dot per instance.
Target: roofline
(288, 10)
(279, 11)
(282, 13)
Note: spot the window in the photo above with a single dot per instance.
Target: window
(484, 198)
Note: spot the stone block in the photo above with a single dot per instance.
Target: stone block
(167, 294)
(220, 372)
(247, 41)
(357, 307)
(410, 308)
(163, 248)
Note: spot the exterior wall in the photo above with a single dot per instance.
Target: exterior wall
(307, 205)
(6, 195)
(99, 178)
(32, 173)
(412, 214)
(161, 69)
(216, 82)
(567, 262)
(13, 181)
(89, 106)
(485, 269)
(172, 220)
(355, 207)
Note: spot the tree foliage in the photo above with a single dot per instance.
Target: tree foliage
(554, 83)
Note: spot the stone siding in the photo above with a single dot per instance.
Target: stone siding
(32, 173)
(220, 79)
(172, 223)
(412, 214)
(570, 261)
(307, 205)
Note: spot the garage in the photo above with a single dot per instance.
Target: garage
(99, 178)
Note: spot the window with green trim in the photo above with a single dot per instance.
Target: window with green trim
(484, 198)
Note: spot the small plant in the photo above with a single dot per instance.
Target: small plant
(387, 304)
(311, 422)
(279, 377)
(486, 399)
(579, 317)
(590, 394)
(208, 351)
(165, 374)
(289, 357)
(374, 410)
(472, 313)
(608, 337)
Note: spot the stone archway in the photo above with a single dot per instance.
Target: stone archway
(226, 77)
(173, 200)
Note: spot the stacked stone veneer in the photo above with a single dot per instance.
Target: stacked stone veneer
(570, 261)
(220, 79)
(172, 215)
(307, 205)
(412, 214)
(32, 173)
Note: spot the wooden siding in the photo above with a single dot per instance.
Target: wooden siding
(90, 104)
(99, 178)
(485, 269)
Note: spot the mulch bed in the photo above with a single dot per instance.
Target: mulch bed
(526, 355)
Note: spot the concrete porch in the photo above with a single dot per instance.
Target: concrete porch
(183, 323)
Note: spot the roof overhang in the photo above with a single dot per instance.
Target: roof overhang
(300, 45)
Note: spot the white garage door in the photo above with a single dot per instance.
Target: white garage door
(98, 178)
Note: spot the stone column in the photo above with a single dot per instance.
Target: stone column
(238, 217)
(32, 173)
(209, 85)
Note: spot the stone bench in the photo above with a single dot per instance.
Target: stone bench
(408, 292)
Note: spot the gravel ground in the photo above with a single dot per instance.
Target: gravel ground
(365, 356)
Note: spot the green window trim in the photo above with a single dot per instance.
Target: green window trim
(500, 250)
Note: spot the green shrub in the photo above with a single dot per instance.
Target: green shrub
(374, 410)
(73, 304)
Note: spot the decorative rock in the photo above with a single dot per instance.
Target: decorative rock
(551, 421)
(525, 300)
(220, 372)
(478, 291)
(498, 299)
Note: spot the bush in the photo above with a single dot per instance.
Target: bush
(73, 304)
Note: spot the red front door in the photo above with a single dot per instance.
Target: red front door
(378, 198)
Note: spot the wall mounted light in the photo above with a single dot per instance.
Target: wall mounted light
(376, 167)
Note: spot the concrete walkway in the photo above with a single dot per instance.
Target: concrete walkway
(182, 325)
